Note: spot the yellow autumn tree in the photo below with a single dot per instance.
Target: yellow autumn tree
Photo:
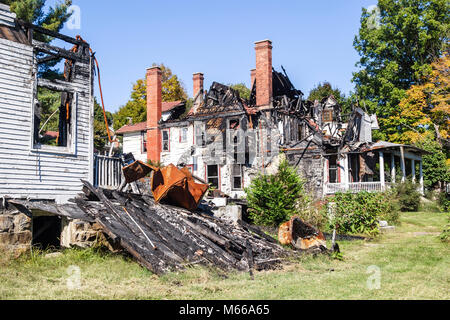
(425, 110)
(172, 89)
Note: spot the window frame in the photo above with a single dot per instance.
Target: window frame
(327, 115)
(70, 148)
(207, 176)
(168, 140)
(241, 176)
(334, 168)
(143, 141)
(182, 130)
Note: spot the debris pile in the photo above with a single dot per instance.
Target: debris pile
(163, 237)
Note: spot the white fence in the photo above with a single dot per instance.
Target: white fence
(332, 188)
(107, 172)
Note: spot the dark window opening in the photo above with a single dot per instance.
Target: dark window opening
(165, 140)
(237, 177)
(46, 232)
(332, 169)
(212, 172)
(200, 139)
(144, 141)
(52, 117)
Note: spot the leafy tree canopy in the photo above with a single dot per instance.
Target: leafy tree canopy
(324, 90)
(425, 109)
(35, 11)
(397, 41)
(244, 92)
(136, 107)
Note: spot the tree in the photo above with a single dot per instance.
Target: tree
(425, 109)
(32, 11)
(324, 90)
(136, 107)
(397, 41)
(100, 131)
(242, 89)
(436, 168)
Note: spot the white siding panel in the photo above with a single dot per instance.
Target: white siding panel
(25, 173)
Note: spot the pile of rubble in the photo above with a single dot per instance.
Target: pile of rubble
(163, 237)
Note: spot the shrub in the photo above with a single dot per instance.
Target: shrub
(445, 235)
(359, 213)
(407, 196)
(444, 201)
(273, 199)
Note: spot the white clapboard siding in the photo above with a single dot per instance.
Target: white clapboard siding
(132, 142)
(27, 173)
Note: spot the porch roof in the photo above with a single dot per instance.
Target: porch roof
(390, 145)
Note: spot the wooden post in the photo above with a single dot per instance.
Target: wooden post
(382, 180)
(421, 177)
(402, 163)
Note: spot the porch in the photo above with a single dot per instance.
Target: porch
(391, 162)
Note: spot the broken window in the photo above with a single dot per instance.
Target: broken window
(200, 138)
(165, 140)
(212, 175)
(144, 141)
(332, 169)
(53, 118)
(183, 134)
(236, 176)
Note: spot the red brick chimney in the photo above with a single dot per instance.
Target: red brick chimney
(263, 50)
(198, 83)
(154, 105)
(252, 77)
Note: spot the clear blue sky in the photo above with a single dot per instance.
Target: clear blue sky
(311, 39)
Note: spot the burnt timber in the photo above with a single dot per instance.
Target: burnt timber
(164, 238)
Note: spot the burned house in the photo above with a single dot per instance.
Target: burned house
(36, 164)
(227, 140)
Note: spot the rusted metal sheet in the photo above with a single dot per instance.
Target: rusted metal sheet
(301, 235)
(136, 171)
(177, 187)
(169, 184)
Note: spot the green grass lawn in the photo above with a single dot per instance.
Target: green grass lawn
(413, 264)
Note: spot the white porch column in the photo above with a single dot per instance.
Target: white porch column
(413, 170)
(393, 168)
(345, 173)
(382, 180)
(421, 178)
(325, 175)
(402, 163)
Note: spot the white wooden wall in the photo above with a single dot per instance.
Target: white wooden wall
(34, 174)
(132, 142)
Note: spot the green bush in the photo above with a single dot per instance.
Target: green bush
(359, 213)
(407, 196)
(445, 235)
(273, 199)
(444, 201)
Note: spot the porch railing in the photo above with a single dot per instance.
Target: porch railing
(332, 188)
(107, 172)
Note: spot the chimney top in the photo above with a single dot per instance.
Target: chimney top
(264, 41)
(153, 67)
